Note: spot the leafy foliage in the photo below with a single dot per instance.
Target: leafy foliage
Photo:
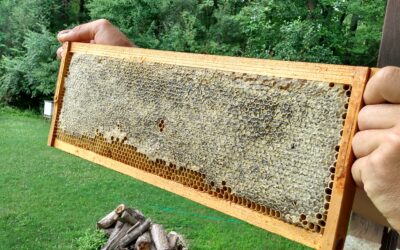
(92, 240)
(28, 66)
(327, 31)
(30, 75)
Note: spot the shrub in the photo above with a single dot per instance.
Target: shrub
(91, 240)
(30, 76)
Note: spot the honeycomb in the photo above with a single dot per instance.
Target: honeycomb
(263, 142)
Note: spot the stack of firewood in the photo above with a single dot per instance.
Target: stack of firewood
(127, 228)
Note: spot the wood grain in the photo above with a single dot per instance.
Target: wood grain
(66, 56)
(343, 188)
(268, 223)
(299, 70)
(389, 53)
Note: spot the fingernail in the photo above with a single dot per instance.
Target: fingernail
(63, 33)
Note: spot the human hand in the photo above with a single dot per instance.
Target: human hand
(100, 32)
(377, 145)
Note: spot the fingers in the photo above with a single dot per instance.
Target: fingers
(81, 33)
(357, 171)
(369, 169)
(84, 32)
(99, 32)
(383, 87)
(379, 153)
(365, 142)
(379, 174)
(64, 32)
(379, 116)
(377, 146)
(59, 52)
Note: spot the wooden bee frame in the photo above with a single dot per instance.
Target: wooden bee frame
(334, 233)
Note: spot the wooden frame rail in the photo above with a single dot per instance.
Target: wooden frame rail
(343, 190)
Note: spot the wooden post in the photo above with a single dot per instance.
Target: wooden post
(389, 53)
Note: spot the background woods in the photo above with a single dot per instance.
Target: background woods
(329, 31)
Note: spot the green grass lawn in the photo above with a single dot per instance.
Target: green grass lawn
(49, 199)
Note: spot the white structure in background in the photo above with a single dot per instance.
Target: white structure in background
(48, 109)
(364, 234)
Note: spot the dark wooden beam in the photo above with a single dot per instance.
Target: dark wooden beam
(389, 53)
(389, 239)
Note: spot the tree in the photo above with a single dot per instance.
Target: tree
(327, 31)
(28, 66)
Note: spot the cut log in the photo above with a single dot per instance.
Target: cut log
(172, 240)
(108, 231)
(143, 242)
(119, 232)
(159, 237)
(127, 217)
(118, 227)
(121, 208)
(134, 232)
(138, 215)
(128, 229)
(176, 241)
(134, 226)
(108, 221)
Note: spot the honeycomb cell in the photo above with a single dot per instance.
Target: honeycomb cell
(263, 142)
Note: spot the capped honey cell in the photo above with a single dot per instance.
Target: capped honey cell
(264, 142)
